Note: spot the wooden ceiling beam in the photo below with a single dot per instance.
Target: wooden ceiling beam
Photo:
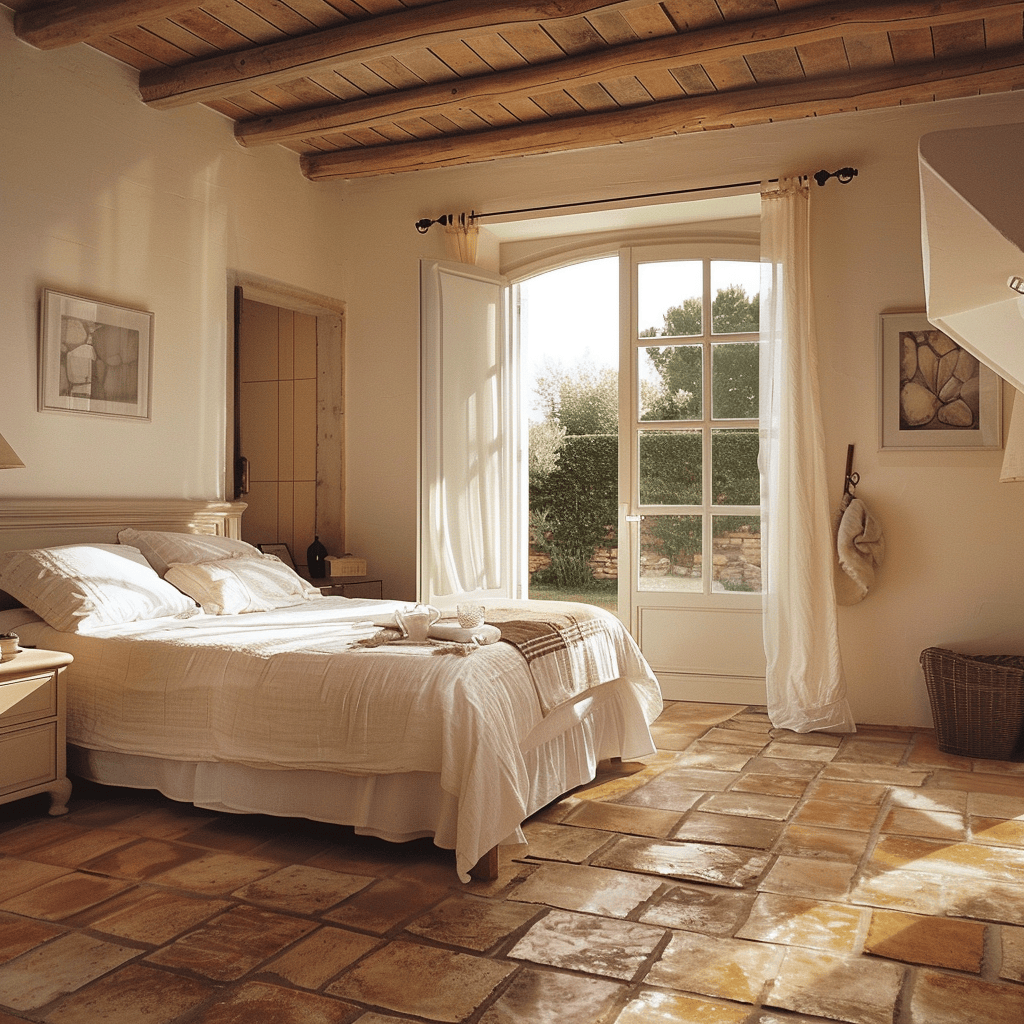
(74, 21)
(797, 27)
(228, 74)
(1001, 70)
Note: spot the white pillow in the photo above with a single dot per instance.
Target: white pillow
(235, 585)
(79, 587)
(163, 548)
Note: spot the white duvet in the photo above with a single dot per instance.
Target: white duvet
(291, 689)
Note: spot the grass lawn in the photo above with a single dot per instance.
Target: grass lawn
(604, 593)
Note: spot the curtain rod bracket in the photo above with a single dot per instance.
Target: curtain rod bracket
(844, 175)
(424, 225)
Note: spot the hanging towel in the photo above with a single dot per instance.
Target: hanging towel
(860, 549)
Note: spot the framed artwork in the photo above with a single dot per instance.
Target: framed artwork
(934, 394)
(94, 357)
(280, 550)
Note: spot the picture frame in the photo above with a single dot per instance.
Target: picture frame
(934, 394)
(279, 550)
(94, 357)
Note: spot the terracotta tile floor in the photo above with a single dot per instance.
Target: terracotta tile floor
(741, 875)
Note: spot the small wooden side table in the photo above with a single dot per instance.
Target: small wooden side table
(350, 586)
(33, 727)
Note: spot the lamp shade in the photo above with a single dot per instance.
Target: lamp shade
(8, 457)
(1013, 453)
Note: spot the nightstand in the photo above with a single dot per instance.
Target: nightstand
(33, 752)
(351, 586)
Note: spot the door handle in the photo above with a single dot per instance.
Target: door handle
(633, 519)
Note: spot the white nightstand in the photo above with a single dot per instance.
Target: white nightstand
(33, 751)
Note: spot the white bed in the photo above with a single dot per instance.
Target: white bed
(286, 712)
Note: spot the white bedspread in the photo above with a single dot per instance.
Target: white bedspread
(288, 689)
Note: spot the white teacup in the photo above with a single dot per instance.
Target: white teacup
(415, 622)
(470, 614)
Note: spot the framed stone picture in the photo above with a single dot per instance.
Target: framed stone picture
(934, 394)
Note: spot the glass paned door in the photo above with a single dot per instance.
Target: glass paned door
(689, 482)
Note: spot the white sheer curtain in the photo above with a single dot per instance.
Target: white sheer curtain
(806, 686)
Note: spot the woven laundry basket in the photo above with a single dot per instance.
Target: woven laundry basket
(977, 702)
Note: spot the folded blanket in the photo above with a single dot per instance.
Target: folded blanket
(860, 549)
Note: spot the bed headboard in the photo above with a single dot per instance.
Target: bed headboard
(44, 522)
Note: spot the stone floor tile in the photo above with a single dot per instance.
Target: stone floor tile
(731, 737)
(654, 1007)
(718, 967)
(590, 890)
(610, 817)
(985, 900)
(946, 858)
(591, 945)
(848, 792)
(906, 821)
(833, 814)
(924, 752)
(933, 941)
(769, 785)
(35, 834)
(233, 833)
(18, 876)
(992, 805)
(142, 858)
(65, 896)
(856, 990)
(215, 874)
(798, 921)
(474, 923)
(879, 773)
(386, 904)
(58, 968)
(19, 934)
(76, 850)
(978, 782)
(257, 1002)
(167, 821)
(436, 983)
(822, 843)
(561, 842)
(804, 876)
(302, 889)
(913, 891)
(752, 805)
(699, 713)
(939, 998)
(675, 738)
(665, 794)
(136, 993)
(702, 780)
(701, 862)
(729, 830)
(715, 759)
(322, 954)
(156, 916)
(806, 739)
(783, 767)
(700, 908)
(815, 752)
(1012, 965)
(544, 997)
(232, 944)
(931, 798)
(871, 751)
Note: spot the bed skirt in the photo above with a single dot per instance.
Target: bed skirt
(561, 754)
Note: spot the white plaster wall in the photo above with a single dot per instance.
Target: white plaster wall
(954, 567)
(102, 197)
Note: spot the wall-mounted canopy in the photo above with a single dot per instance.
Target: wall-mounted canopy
(972, 220)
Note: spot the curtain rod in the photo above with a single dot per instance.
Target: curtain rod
(843, 175)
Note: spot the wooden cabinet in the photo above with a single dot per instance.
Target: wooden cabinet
(33, 752)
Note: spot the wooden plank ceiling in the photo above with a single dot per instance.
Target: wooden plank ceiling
(384, 86)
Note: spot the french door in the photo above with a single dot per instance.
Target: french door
(689, 520)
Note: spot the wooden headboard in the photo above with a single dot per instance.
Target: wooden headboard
(45, 522)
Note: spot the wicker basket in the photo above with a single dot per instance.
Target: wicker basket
(977, 702)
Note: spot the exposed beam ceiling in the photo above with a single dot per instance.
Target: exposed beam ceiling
(382, 86)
